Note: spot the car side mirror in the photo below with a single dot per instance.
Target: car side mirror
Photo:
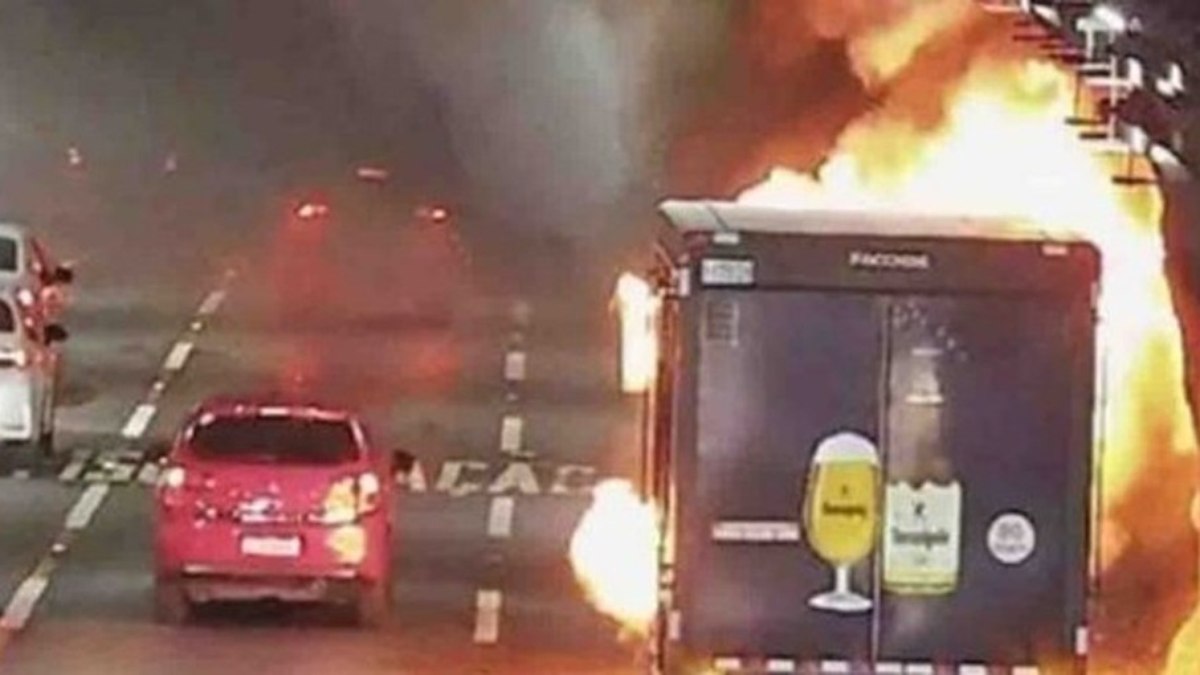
(55, 333)
(402, 462)
(63, 274)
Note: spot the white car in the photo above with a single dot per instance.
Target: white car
(26, 267)
(29, 368)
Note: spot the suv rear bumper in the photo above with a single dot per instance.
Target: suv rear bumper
(201, 585)
(187, 549)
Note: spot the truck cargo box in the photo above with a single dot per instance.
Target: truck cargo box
(872, 441)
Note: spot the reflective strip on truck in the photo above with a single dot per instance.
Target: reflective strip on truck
(756, 531)
(777, 665)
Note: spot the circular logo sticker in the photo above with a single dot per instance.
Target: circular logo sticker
(1012, 538)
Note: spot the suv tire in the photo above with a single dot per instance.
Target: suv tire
(373, 603)
(171, 604)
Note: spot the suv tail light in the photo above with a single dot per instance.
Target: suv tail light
(350, 498)
(170, 486)
(172, 478)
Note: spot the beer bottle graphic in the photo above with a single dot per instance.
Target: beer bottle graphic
(841, 514)
(922, 525)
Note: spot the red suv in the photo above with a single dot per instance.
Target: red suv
(261, 500)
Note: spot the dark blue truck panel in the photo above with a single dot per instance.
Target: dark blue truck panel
(969, 373)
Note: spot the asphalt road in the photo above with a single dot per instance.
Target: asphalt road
(347, 312)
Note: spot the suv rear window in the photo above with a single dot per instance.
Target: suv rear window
(275, 440)
(8, 254)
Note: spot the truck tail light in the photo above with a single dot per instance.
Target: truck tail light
(14, 358)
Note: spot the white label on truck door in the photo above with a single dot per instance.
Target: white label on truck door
(1011, 538)
(921, 538)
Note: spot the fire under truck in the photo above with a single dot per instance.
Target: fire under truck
(870, 440)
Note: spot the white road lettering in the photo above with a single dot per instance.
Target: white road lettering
(415, 480)
(451, 480)
(573, 479)
(461, 478)
(516, 476)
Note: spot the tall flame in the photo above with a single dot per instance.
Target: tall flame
(1004, 151)
(1000, 147)
(614, 554)
(966, 121)
(637, 307)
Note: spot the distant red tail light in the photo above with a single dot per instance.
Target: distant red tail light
(373, 174)
(312, 210)
(436, 214)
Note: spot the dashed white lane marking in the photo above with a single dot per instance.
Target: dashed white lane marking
(487, 616)
(521, 313)
(137, 423)
(514, 366)
(211, 303)
(85, 508)
(148, 474)
(20, 608)
(500, 517)
(74, 469)
(512, 431)
(178, 357)
(29, 593)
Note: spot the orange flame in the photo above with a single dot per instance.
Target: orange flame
(638, 307)
(1001, 149)
(967, 122)
(613, 553)
(1005, 151)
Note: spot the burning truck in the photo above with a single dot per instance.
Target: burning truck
(871, 443)
(970, 121)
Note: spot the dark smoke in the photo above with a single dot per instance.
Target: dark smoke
(553, 114)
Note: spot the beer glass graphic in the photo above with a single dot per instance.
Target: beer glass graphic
(841, 513)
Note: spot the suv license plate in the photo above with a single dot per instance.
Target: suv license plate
(273, 547)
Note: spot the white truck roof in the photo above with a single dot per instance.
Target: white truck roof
(12, 229)
(723, 216)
